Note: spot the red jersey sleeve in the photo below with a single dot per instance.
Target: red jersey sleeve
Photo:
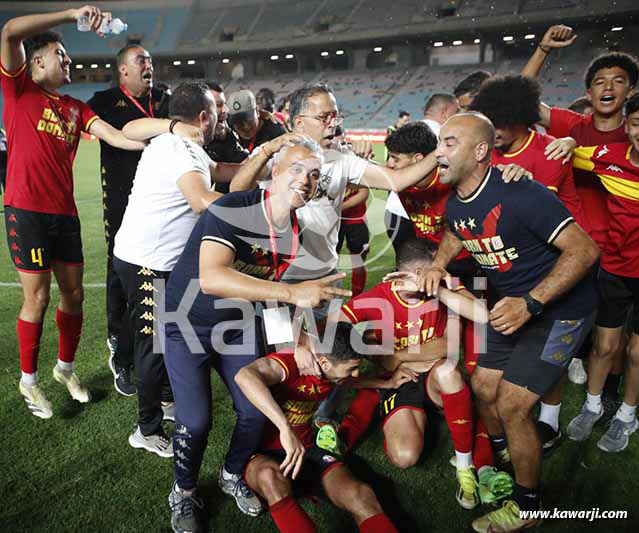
(287, 361)
(363, 307)
(13, 83)
(87, 116)
(562, 121)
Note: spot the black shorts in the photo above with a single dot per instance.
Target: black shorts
(411, 395)
(357, 238)
(317, 463)
(618, 296)
(535, 356)
(37, 239)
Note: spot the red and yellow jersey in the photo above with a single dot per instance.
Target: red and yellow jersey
(553, 174)
(299, 397)
(564, 122)
(611, 163)
(426, 208)
(412, 324)
(43, 131)
(356, 214)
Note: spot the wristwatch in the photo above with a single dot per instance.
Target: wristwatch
(535, 307)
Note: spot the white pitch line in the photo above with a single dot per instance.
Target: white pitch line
(53, 285)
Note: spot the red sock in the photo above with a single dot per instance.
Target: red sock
(289, 517)
(458, 410)
(378, 523)
(29, 334)
(358, 417)
(482, 450)
(69, 328)
(471, 345)
(358, 280)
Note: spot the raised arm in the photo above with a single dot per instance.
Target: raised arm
(379, 177)
(558, 36)
(465, 304)
(16, 30)
(254, 381)
(105, 132)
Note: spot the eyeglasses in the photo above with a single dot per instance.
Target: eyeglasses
(327, 118)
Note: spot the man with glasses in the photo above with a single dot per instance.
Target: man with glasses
(254, 127)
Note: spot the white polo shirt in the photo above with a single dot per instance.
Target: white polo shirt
(158, 219)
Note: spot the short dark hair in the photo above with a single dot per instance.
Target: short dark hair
(632, 105)
(614, 59)
(265, 99)
(403, 114)
(342, 347)
(412, 138)
(188, 100)
(37, 42)
(339, 130)
(471, 83)
(215, 86)
(415, 249)
(301, 95)
(509, 100)
(122, 52)
(580, 105)
(436, 100)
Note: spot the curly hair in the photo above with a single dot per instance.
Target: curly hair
(412, 138)
(615, 59)
(509, 100)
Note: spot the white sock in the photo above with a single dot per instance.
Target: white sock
(593, 402)
(550, 415)
(227, 475)
(29, 380)
(66, 367)
(626, 413)
(464, 459)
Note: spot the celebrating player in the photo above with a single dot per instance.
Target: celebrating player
(43, 228)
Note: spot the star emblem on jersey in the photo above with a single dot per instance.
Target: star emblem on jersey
(462, 224)
(398, 325)
(471, 223)
(456, 225)
(256, 248)
(302, 388)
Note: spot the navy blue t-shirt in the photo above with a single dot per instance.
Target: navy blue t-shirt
(509, 228)
(241, 222)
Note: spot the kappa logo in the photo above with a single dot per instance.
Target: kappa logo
(147, 316)
(147, 286)
(15, 247)
(12, 233)
(146, 330)
(148, 302)
(604, 150)
(120, 103)
(12, 218)
(614, 168)
(146, 272)
(461, 421)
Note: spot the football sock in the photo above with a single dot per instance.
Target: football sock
(70, 328)
(458, 410)
(378, 523)
(498, 442)
(626, 413)
(527, 499)
(29, 334)
(65, 367)
(593, 402)
(358, 417)
(289, 517)
(471, 345)
(550, 415)
(358, 282)
(482, 450)
(29, 380)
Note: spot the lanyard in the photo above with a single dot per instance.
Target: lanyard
(137, 104)
(280, 269)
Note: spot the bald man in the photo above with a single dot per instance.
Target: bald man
(133, 98)
(537, 259)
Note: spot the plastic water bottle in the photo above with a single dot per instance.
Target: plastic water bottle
(114, 27)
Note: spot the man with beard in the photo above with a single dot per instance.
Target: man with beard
(538, 266)
(134, 97)
(172, 186)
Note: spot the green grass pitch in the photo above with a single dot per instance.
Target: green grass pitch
(76, 471)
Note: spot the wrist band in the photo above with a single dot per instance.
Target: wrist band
(544, 50)
(265, 152)
(172, 125)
